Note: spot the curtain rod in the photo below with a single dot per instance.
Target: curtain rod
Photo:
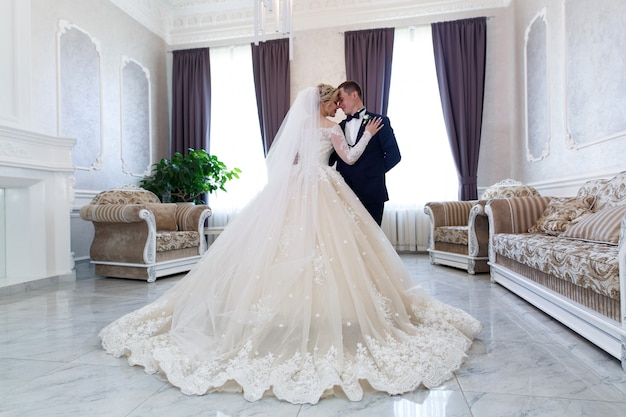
(467, 18)
(427, 24)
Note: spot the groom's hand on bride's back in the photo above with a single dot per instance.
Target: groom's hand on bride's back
(332, 159)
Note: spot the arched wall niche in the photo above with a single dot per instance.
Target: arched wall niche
(79, 94)
(537, 78)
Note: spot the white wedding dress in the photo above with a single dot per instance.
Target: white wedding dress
(302, 296)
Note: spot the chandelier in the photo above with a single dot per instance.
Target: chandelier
(278, 13)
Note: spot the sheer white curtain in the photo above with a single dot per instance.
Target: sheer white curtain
(235, 133)
(426, 172)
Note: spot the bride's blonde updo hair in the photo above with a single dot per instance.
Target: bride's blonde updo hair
(328, 93)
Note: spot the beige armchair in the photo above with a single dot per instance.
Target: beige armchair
(459, 230)
(138, 237)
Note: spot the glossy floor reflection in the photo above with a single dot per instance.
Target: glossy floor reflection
(522, 364)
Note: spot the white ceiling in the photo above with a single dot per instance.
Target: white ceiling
(188, 22)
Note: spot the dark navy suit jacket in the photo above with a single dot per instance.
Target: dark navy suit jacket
(367, 176)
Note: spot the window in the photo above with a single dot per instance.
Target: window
(427, 171)
(235, 132)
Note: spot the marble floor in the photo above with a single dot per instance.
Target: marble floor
(523, 363)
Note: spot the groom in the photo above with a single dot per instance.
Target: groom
(367, 176)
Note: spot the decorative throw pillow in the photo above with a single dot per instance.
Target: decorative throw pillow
(561, 213)
(164, 214)
(602, 226)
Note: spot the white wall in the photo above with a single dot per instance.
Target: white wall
(319, 57)
(28, 81)
(564, 169)
(118, 35)
(15, 63)
(29, 99)
(29, 76)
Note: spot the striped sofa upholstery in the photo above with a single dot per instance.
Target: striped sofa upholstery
(459, 231)
(573, 274)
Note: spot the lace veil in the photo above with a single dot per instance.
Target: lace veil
(298, 135)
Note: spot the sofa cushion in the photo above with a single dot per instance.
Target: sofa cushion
(167, 241)
(592, 188)
(612, 194)
(602, 226)
(509, 188)
(594, 266)
(561, 213)
(129, 195)
(164, 214)
(451, 234)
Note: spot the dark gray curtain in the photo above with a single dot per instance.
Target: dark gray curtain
(368, 55)
(460, 50)
(270, 64)
(191, 100)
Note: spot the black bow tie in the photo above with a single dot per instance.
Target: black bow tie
(354, 116)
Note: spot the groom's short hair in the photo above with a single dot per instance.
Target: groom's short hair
(350, 87)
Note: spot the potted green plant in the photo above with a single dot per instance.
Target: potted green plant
(185, 178)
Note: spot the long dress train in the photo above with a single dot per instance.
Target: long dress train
(298, 298)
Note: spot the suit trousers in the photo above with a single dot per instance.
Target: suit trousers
(375, 209)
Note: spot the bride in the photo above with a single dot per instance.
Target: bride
(302, 295)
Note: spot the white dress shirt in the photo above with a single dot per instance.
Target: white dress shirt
(352, 128)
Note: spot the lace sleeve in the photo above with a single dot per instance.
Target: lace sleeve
(348, 154)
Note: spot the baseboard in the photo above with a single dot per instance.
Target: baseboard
(37, 284)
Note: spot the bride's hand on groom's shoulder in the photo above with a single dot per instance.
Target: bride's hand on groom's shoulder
(374, 125)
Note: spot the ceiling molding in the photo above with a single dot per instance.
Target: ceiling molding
(188, 22)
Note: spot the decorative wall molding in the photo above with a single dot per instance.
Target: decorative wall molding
(180, 22)
(82, 198)
(537, 88)
(568, 186)
(135, 118)
(591, 54)
(15, 74)
(29, 150)
(79, 94)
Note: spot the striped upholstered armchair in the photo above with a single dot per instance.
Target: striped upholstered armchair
(459, 230)
(138, 237)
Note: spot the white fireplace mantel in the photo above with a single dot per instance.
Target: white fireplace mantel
(36, 193)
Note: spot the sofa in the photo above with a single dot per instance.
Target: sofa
(567, 256)
(459, 231)
(138, 237)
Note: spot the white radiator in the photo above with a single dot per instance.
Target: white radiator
(406, 228)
